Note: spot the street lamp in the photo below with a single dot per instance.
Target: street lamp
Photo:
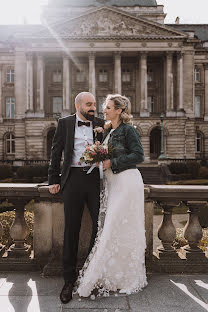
(162, 154)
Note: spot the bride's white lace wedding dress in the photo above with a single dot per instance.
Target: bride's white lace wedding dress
(117, 260)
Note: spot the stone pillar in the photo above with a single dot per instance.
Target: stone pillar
(30, 83)
(189, 84)
(180, 107)
(20, 83)
(20, 102)
(143, 80)
(206, 92)
(66, 85)
(40, 85)
(117, 73)
(169, 85)
(1, 103)
(92, 86)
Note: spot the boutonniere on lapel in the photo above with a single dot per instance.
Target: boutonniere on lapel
(98, 130)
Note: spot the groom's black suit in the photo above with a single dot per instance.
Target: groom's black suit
(77, 188)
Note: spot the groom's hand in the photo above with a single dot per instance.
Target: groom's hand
(55, 188)
(106, 164)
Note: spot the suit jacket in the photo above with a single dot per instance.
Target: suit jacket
(64, 141)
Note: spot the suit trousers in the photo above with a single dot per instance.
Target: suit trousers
(80, 188)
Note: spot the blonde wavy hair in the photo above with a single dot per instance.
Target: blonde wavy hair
(120, 102)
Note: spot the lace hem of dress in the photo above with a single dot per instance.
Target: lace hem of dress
(101, 221)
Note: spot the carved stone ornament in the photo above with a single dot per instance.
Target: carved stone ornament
(106, 22)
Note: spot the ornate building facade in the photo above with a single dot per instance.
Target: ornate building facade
(104, 46)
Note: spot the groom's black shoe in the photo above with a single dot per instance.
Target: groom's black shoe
(66, 293)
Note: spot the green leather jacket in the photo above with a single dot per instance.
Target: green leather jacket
(126, 148)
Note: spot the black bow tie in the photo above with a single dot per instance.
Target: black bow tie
(83, 123)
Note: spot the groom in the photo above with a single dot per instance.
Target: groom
(72, 135)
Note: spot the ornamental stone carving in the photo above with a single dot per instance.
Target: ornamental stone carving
(110, 23)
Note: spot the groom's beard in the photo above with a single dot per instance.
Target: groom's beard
(87, 115)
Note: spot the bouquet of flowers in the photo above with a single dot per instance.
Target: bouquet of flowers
(95, 153)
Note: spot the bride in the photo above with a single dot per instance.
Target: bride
(117, 260)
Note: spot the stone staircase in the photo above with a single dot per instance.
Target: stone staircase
(154, 173)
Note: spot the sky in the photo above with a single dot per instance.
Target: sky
(21, 11)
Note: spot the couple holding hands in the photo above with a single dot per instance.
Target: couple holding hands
(116, 259)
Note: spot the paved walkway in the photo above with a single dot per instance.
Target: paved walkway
(30, 292)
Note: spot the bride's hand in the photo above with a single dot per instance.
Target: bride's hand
(106, 164)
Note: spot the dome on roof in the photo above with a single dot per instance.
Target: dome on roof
(80, 3)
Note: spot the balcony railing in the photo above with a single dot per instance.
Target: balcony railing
(45, 251)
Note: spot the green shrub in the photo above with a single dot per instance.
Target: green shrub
(204, 163)
(193, 169)
(177, 168)
(203, 172)
(7, 218)
(5, 171)
(32, 171)
(180, 240)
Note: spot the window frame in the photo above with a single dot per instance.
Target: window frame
(55, 73)
(103, 71)
(199, 139)
(125, 72)
(11, 74)
(9, 137)
(61, 104)
(195, 106)
(10, 103)
(197, 71)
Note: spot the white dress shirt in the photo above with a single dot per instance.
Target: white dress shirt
(82, 137)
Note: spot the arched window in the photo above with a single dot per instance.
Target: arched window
(10, 75)
(10, 143)
(199, 142)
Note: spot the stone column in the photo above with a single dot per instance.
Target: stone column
(66, 85)
(188, 83)
(206, 92)
(143, 80)
(40, 85)
(169, 85)
(180, 108)
(1, 103)
(117, 73)
(29, 83)
(92, 85)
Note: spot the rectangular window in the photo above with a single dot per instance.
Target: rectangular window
(197, 106)
(197, 74)
(80, 76)
(150, 102)
(149, 75)
(57, 104)
(103, 75)
(10, 107)
(57, 75)
(10, 144)
(10, 75)
(101, 100)
(126, 75)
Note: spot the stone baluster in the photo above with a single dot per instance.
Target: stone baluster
(166, 230)
(2, 247)
(18, 232)
(193, 231)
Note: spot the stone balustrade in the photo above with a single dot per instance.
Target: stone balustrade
(46, 252)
